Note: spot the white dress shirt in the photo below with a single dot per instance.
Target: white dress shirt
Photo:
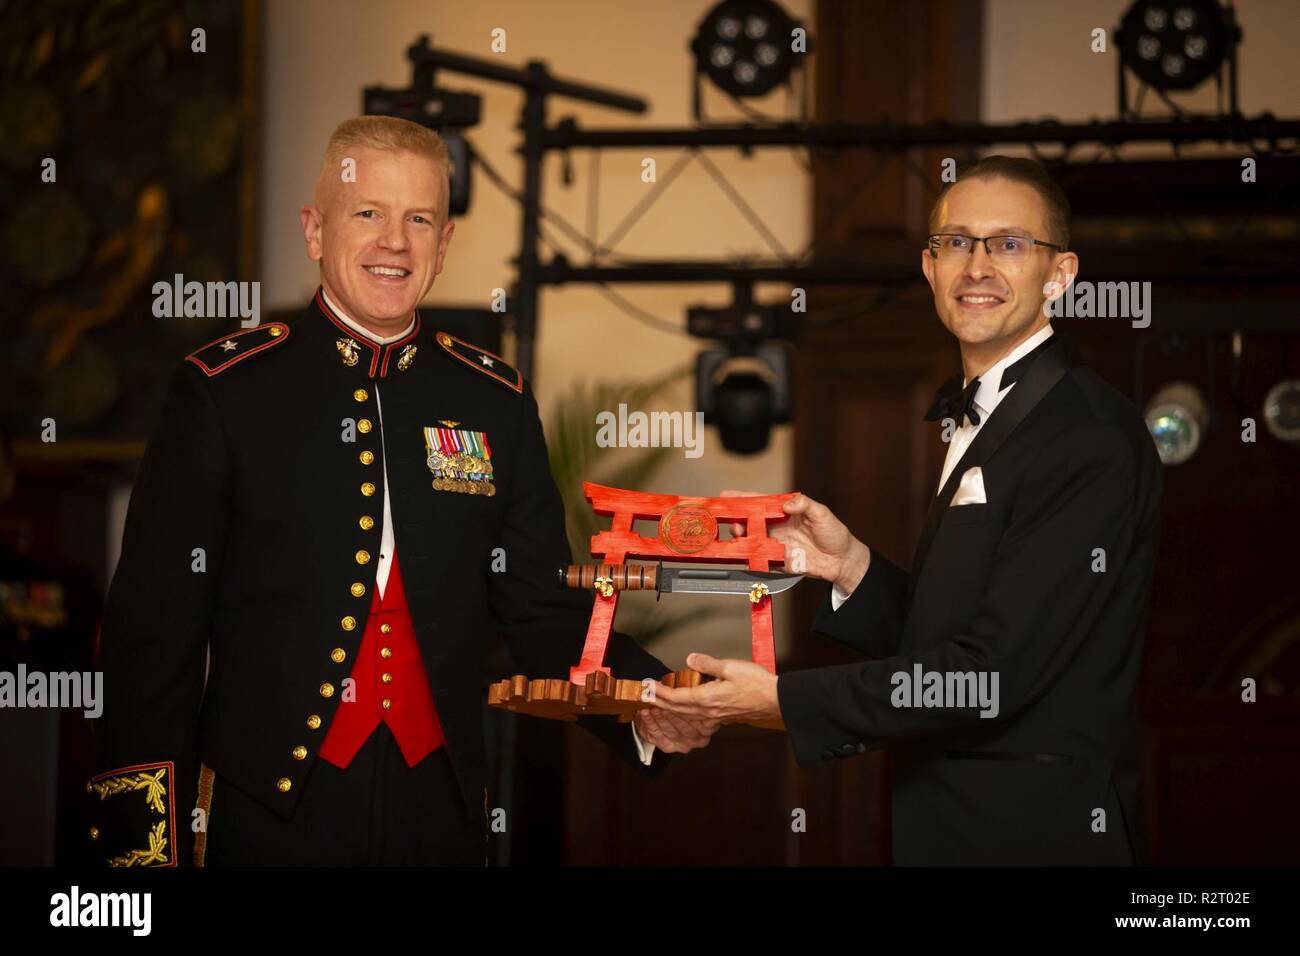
(386, 544)
(987, 397)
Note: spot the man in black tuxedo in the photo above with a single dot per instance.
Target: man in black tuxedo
(1001, 669)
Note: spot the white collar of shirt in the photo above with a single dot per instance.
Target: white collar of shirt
(360, 330)
(990, 390)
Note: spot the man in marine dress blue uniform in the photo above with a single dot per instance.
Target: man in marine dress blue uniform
(294, 640)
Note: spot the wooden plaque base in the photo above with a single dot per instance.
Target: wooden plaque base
(560, 699)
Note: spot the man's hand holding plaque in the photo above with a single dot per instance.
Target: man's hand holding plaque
(816, 543)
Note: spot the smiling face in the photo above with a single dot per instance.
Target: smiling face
(380, 240)
(991, 307)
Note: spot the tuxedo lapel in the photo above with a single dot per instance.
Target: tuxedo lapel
(1048, 368)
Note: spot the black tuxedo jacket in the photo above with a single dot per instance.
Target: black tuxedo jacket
(1012, 586)
(250, 464)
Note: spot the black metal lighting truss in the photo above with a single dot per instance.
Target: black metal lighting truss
(1264, 133)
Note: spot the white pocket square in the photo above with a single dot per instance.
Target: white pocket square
(971, 489)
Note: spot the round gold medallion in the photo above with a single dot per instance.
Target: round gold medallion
(687, 529)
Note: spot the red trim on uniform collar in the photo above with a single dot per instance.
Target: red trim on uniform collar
(400, 343)
(362, 339)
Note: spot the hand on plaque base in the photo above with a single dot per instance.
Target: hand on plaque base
(673, 733)
(742, 691)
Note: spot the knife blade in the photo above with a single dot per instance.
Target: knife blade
(722, 581)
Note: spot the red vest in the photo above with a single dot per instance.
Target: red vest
(391, 685)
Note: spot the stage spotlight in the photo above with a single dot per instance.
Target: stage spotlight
(1282, 410)
(1177, 418)
(1176, 44)
(744, 394)
(743, 46)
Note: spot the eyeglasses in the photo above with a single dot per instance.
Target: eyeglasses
(1005, 250)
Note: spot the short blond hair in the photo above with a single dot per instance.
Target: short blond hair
(387, 133)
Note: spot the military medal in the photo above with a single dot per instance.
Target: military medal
(460, 460)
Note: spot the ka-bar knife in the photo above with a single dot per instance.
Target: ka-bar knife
(608, 578)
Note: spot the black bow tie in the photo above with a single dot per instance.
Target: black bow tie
(953, 401)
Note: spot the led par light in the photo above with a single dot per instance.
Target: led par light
(1177, 418)
(743, 46)
(1176, 44)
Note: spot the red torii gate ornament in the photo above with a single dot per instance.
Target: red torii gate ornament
(687, 531)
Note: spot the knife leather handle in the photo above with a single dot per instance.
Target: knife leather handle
(624, 577)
